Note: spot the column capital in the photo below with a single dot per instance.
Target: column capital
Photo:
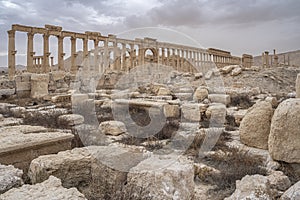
(11, 33)
(72, 38)
(46, 36)
(30, 34)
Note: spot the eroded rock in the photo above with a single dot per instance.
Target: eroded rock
(49, 189)
(112, 128)
(284, 138)
(10, 177)
(255, 126)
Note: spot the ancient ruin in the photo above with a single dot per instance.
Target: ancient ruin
(146, 119)
(113, 52)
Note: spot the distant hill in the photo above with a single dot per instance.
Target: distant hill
(293, 55)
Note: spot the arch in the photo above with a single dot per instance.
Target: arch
(150, 55)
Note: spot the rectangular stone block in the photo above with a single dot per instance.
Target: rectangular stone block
(23, 86)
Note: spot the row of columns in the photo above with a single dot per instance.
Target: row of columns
(171, 55)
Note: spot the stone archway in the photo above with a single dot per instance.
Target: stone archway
(150, 55)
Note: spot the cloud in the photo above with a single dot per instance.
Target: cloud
(216, 22)
(196, 13)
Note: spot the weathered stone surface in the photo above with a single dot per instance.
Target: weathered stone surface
(255, 68)
(18, 112)
(236, 71)
(171, 111)
(219, 98)
(279, 181)
(208, 75)
(293, 193)
(70, 120)
(21, 144)
(112, 128)
(228, 69)
(239, 115)
(66, 98)
(272, 100)
(10, 177)
(39, 85)
(96, 171)
(200, 94)
(198, 75)
(284, 139)
(184, 96)
(298, 86)
(49, 189)
(163, 91)
(164, 177)
(5, 108)
(73, 167)
(216, 114)
(1, 117)
(256, 187)
(255, 126)
(192, 111)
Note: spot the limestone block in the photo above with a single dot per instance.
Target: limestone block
(200, 94)
(279, 181)
(23, 86)
(10, 177)
(208, 75)
(216, 113)
(252, 187)
(39, 85)
(96, 171)
(112, 128)
(236, 71)
(219, 98)
(163, 177)
(171, 111)
(284, 138)
(49, 189)
(292, 193)
(163, 92)
(298, 86)
(228, 69)
(255, 126)
(70, 120)
(192, 111)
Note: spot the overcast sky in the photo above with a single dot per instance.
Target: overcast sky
(239, 26)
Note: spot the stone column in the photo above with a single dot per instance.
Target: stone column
(275, 58)
(30, 52)
(73, 55)
(298, 86)
(60, 54)
(51, 61)
(106, 56)
(267, 58)
(96, 67)
(168, 56)
(163, 56)
(173, 59)
(132, 56)
(85, 55)
(46, 54)
(178, 60)
(123, 62)
(141, 55)
(11, 55)
(116, 58)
